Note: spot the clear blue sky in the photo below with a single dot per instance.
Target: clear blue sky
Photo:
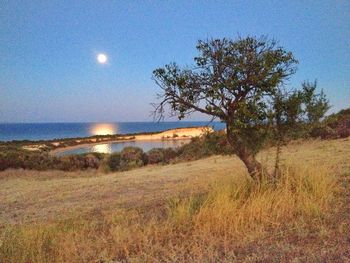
(48, 70)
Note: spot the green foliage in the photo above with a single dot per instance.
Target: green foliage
(229, 75)
(298, 113)
(155, 155)
(43, 161)
(128, 158)
(336, 125)
(207, 145)
(114, 161)
(316, 105)
(233, 80)
(169, 154)
(132, 157)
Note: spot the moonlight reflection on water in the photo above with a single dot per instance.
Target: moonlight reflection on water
(119, 146)
(103, 129)
(102, 148)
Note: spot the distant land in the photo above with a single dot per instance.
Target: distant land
(51, 131)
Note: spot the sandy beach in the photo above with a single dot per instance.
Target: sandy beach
(173, 134)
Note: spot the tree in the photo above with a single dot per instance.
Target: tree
(232, 80)
(296, 113)
(316, 105)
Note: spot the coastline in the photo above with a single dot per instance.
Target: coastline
(73, 147)
(168, 135)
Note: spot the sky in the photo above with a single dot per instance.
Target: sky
(48, 49)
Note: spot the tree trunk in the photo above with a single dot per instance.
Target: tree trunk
(253, 166)
(277, 161)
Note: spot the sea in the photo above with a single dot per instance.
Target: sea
(51, 131)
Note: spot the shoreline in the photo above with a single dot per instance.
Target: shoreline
(168, 135)
(73, 147)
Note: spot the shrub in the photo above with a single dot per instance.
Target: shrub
(192, 150)
(128, 158)
(94, 160)
(114, 161)
(209, 144)
(72, 162)
(344, 131)
(44, 161)
(132, 157)
(216, 143)
(169, 154)
(155, 155)
(323, 132)
(334, 126)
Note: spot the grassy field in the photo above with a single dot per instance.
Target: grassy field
(204, 210)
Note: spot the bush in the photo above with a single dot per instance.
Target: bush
(192, 150)
(216, 143)
(25, 160)
(114, 161)
(169, 154)
(334, 126)
(209, 144)
(128, 158)
(155, 155)
(344, 131)
(132, 157)
(323, 132)
(43, 161)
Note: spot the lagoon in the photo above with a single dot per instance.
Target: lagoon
(118, 146)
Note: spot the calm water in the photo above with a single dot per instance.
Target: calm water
(49, 131)
(116, 147)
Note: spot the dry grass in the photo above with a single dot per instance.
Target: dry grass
(223, 219)
(43, 196)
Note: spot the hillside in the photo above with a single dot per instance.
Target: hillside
(33, 203)
(336, 125)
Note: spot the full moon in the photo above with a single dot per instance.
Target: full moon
(102, 58)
